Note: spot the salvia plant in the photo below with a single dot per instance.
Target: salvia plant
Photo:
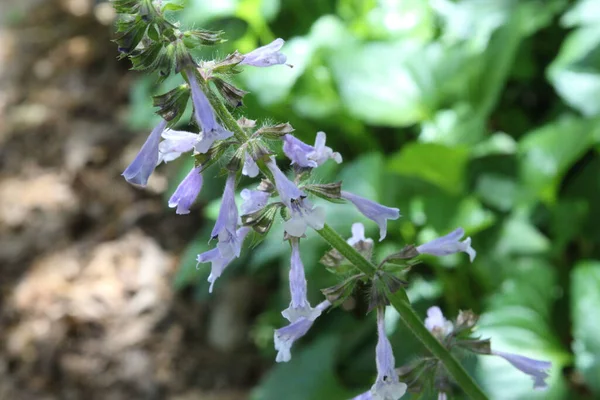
(242, 146)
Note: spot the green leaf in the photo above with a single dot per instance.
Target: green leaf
(440, 165)
(585, 308)
(548, 152)
(519, 236)
(309, 375)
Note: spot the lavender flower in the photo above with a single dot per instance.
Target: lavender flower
(175, 143)
(307, 156)
(449, 244)
(286, 336)
(219, 261)
(358, 235)
(143, 165)
(534, 368)
(254, 200)
(374, 211)
(266, 56)
(303, 212)
(436, 323)
(299, 306)
(227, 221)
(387, 385)
(250, 167)
(205, 117)
(187, 191)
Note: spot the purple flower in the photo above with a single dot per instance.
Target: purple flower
(534, 368)
(286, 336)
(387, 385)
(144, 163)
(299, 306)
(307, 156)
(187, 191)
(266, 56)
(358, 234)
(374, 211)
(218, 261)
(227, 221)
(254, 200)
(250, 167)
(435, 322)
(205, 117)
(302, 210)
(449, 244)
(175, 143)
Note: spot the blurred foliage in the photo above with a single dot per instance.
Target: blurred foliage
(476, 113)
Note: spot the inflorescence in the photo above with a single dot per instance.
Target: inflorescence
(155, 44)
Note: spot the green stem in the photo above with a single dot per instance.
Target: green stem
(399, 299)
(455, 369)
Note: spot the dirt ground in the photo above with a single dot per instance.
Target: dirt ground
(87, 261)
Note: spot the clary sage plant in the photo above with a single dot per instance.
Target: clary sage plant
(243, 146)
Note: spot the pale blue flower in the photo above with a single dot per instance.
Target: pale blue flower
(205, 117)
(535, 368)
(187, 191)
(387, 385)
(227, 221)
(176, 143)
(266, 56)
(219, 261)
(435, 322)
(358, 234)
(145, 162)
(303, 212)
(299, 306)
(250, 167)
(285, 337)
(253, 200)
(307, 156)
(449, 244)
(374, 211)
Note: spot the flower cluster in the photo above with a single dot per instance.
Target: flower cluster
(247, 150)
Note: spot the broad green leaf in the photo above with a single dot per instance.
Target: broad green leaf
(440, 165)
(548, 152)
(520, 237)
(585, 308)
(308, 376)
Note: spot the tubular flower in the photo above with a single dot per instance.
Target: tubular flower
(285, 337)
(266, 56)
(303, 212)
(250, 167)
(227, 221)
(299, 306)
(449, 244)
(535, 368)
(436, 323)
(205, 117)
(358, 234)
(307, 156)
(187, 191)
(253, 200)
(374, 211)
(218, 261)
(143, 164)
